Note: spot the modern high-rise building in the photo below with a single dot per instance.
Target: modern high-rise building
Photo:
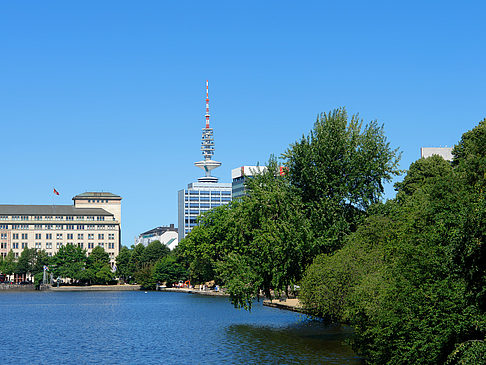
(206, 193)
(93, 220)
(239, 177)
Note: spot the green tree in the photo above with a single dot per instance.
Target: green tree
(168, 270)
(123, 269)
(69, 262)
(9, 263)
(339, 170)
(98, 266)
(154, 251)
(136, 257)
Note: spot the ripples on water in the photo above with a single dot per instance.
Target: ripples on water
(156, 327)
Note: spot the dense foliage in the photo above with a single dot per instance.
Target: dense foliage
(264, 241)
(411, 279)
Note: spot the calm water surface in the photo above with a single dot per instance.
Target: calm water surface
(157, 327)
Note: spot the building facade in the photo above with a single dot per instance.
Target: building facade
(444, 152)
(198, 198)
(93, 220)
(239, 177)
(167, 235)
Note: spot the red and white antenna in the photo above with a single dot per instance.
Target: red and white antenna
(207, 104)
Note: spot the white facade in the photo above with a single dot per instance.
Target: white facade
(166, 235)
(444, 152)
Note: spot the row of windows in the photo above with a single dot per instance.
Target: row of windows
(59, 236)
(68, 227)
(48, 245)
(206, 199)
(50, 217)
(205, 192)
(97, 201)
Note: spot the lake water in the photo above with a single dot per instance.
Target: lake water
(159, 327)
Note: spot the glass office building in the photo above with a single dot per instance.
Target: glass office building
(198, 198)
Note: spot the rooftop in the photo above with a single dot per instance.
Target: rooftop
(94, 194)
(50, 210)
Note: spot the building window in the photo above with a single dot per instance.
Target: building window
(58, 245)
(80, 244)
(101, 236)
(101, 244)
(69, 236)
(3, 226)
(69, 227)
(111, 236)
(16, 217)
(69, 218)
(91, 226)
(59, 236)
(111, 245)
(24, 217)
(48, 236)
(15, 236)
(24, 236)
(48, 245)
(3, 236)
(48, 218)
(100, 218)
(38, 226)
(3, 217)
(59, 218)
(38, 218)
(37, 236)
(90, 244)
(15, 245)
(3, 245)
(90, 218)
(80, 236)
(15, 226)
(24, 226)
(80, 227)
(80, 218)
(59, 226)
(24, 245)
(91, 236)
(38, 245)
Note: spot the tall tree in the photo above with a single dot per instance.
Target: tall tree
(339, 170)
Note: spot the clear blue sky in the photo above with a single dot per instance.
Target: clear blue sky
(109, 95)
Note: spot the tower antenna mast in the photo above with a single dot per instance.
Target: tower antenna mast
(207, 147)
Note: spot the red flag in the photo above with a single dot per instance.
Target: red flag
(56, 192)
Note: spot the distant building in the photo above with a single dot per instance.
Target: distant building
(444, 152)
(167, 235)
(199, 198)
(239, 177)
(206, 193)
(93, 220)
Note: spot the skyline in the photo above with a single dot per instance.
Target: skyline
(110, 96)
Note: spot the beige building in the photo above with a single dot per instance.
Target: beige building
(93, 220)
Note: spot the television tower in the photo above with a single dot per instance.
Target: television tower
(207, 148)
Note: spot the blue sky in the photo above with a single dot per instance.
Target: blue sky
(109, 95)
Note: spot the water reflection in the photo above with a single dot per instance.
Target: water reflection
(305, 342)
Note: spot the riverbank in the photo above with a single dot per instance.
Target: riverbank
(195, 291)
(125, 287)
(293, 305)
(17, 287)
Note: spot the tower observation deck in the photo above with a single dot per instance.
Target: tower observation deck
(207, 148)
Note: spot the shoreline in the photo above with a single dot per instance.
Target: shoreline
(293, 305)
(195, 291)
(125, 287)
